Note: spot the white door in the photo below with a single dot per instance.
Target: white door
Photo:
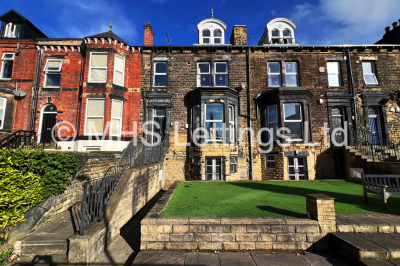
(213, 169)
(297, 168)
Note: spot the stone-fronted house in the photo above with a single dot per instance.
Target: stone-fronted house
(213, 101)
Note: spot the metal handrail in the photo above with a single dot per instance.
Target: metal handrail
(18, 138)
(97, 193)
(374, 146)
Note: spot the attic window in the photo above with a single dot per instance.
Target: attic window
(287, 37)
(206, 36)
(217, 36)
(12, 31)
(275, 36)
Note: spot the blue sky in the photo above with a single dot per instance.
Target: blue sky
(319, 22)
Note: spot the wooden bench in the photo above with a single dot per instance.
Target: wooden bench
(384, 185)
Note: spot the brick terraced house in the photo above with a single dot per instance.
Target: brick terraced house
(213, 100)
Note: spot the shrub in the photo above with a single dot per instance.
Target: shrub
(53, 167)
(18, 192)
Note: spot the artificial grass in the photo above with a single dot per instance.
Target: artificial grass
(269, 199)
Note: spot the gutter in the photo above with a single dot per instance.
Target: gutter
(249, 115)
(350, 72)
(36, 90)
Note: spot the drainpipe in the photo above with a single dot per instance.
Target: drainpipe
(352, 87)
(36, 90)
(249, 114)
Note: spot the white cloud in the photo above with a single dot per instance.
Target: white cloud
(272, 12)
(347, 21)
(80, 18)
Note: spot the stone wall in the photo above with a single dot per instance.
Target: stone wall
(135, 189)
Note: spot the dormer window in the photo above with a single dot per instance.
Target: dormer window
(217, 36)
(287, 37)
(275, 36)
(12, 31)
(206, 36)
(211, 31)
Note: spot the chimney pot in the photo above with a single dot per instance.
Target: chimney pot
(394, 24)
(387, 29)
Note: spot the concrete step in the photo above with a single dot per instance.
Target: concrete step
(372, 262)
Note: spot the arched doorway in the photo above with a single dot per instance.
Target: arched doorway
(49, 116)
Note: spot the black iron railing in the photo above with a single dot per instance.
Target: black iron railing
(374, 146)
(97, 193)
(18, 139)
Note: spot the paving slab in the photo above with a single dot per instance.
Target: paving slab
(278, 259)
(164, 258)
(385, 241)
(372, 262)
(321, 259)
(236, 259)
(395, 262)
(201, 259)
(362, 219)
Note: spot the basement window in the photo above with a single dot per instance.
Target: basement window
(53, 73)
(7, 63)
(271, 163)
(98, 67)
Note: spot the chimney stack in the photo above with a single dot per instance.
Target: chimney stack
(148, 34)
(394, 24)
(387, 29)
(239, 35)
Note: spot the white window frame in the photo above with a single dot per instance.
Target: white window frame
(3, 62)
(275, 74)
(295, 121)
(7, 30)
(292, 74)
(209, 37)
(90, 67)
(235, 163)
(271, 161)
(279, 37)
(200, 74)
(373, 71)
(231, 122)
(86, 117)
(117, 118)
(220, 73)
(52, 72)
(218, 37)
(123, 71)
(215, 121)
(334, 74)
(160, 74)
(4, 112)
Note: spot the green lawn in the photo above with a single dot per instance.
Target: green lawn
(268, 199)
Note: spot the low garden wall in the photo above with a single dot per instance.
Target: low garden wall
(200, 233)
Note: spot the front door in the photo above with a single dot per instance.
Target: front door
(48, 122)
(214, 169)
(338, 120)
(297, 168)
(375, 126)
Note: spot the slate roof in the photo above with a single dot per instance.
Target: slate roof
(108, 34)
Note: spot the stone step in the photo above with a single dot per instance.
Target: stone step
(373, 262)
(43, 244)
(353, 246)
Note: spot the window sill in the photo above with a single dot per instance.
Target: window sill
(5, 79)
(371, 86)
(336, 87)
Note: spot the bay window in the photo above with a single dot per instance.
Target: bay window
(272, 120)
(116, 117)
(196, 122)
(3, 102)
(7, 63)
(98, 67)
(213, 121)
(293, 120)
(94, 116)
(52, 69)
(119, 70)
(231, 115)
